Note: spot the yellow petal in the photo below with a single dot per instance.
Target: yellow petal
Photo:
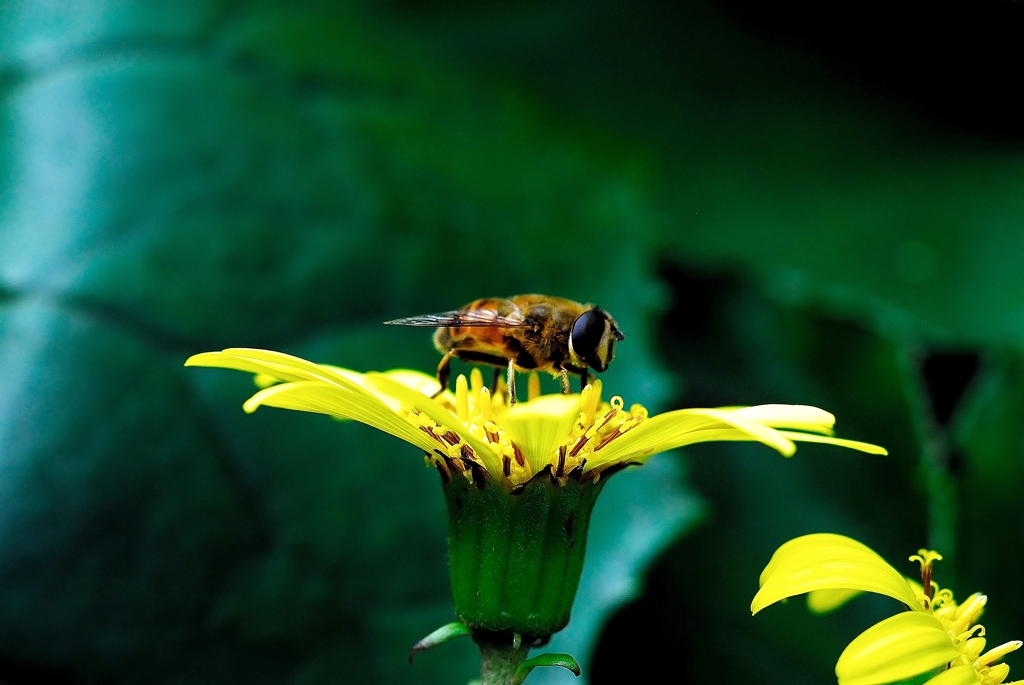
(685, 427)
(283, 367)
(827, 601)
(826, 561)
(324, 398)
(839, 442)
(439, 415)
(958, 675)
(900, 647)
(539, 426)
(221, 360)
(755, 430)
(417, 380)
(262, 380)
(997, 673)
(794, 416)
(797, 546)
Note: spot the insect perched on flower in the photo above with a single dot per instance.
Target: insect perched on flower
(524, 332)
(937, 641)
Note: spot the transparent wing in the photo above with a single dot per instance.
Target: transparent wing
(462, 317)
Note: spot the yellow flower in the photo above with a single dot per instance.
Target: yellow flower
(935, 637)
(471, 432)
(519, 482)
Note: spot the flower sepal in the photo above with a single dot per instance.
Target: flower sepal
(516, 557)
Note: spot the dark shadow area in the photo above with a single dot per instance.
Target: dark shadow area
(947, 376)
(954, 63)
(639, 645)
(730, 345)
(14, 672)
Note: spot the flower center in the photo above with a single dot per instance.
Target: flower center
(481, 414)
(960, 622)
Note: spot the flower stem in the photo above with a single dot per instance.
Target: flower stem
(500, 658)
(936, 458)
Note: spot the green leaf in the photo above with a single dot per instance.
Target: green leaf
(443, 634)
(563, 660)
(125, 517)
(268, 175)
(179, 179)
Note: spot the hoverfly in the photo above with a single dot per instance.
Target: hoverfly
(526, 333)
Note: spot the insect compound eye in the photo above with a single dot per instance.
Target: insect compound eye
(586, 336)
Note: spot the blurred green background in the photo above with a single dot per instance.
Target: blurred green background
(776, 205)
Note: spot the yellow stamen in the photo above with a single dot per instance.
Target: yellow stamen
(587, 405)
(974, 647)
(926, 556)
(960, 609)
(533, 386)
(942, 604)
(429, 432)
(608, 438)
(476, 380)
(462, 399)
(579, 444)
(996, 653)
(607, 417)
(590, 398)
(485, 406)
(520, 459)
(968, 613)
(560, 467)
(500, 390)
(974, 633)
(995, 675)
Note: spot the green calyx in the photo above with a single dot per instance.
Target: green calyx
(516, 558)
(503, 657)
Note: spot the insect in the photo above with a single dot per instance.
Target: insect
(526, 333)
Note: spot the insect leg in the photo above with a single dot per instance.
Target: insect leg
(511, 382)
(444, 372)
(566, 388)
(584, 378)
